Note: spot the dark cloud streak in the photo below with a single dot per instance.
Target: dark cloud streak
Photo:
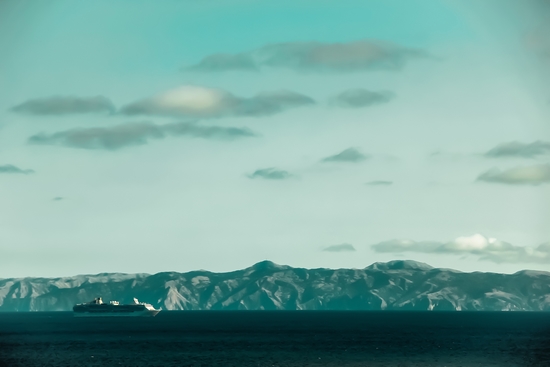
(315, 56)
(518, 149)
(65, 105)
(11, 169)
(271, 173)
(222, 62)
(351, 155)
(357, 98)
(138, 133)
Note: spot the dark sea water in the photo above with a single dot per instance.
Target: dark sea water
(277, 338)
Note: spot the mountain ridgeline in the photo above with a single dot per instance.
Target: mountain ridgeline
(396, 285)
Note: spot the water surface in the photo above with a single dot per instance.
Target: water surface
(278, 338)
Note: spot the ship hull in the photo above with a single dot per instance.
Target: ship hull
(144, 313)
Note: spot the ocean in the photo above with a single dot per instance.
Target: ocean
(278, 338)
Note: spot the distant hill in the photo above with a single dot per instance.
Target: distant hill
(395, 285)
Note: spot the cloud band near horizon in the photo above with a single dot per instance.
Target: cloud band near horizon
(488, 249)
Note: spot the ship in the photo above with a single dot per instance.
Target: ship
(99, 308)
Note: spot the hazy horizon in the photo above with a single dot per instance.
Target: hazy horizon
(260, 263)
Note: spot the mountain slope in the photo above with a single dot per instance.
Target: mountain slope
(396, 285)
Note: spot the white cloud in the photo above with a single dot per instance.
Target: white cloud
(198, 101)
(485, 248)
(527, 175)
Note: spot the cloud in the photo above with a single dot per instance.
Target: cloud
(108, 138)
(65, 105)
(270, 174)
(344, 247)
(517, 149)
(379, 183)
(529, 175)
(137, 133)
(269, 103)
(8, 168)
(489, 249)
(348, 155)
(222, 62)
(206, 132)
(315, 56)
(356, 98)
(196, 101)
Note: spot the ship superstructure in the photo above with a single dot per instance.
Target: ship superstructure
(98, 308)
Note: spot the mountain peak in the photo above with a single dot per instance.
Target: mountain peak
(532, 273)
(400, 265)
(267, 265)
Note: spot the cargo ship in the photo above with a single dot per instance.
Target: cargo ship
(98, 308)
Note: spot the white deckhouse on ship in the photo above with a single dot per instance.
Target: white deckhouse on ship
(98, 308)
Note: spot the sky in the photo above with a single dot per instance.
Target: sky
(148, 136)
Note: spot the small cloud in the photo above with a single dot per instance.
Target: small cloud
(223, 62)
(269, 103)
(270, 174)
(520, 150)
(356, 98)
(9, 168)
(349, 155)
(65, 105)
(489, 249)
(379, 183)
(137, 133)
(529, 175)
(206, 132)
(315, 57)
(344, 247)
(196, 101)
(58, 198)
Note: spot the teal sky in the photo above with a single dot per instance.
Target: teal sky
(148, 136)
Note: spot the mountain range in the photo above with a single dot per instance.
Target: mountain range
(395, 285)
